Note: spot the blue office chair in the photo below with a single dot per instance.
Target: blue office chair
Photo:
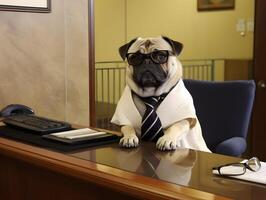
(224, 110)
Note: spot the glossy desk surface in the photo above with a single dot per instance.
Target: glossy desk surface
(143, 172)
(182, 167)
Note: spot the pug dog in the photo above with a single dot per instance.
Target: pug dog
(155, 105)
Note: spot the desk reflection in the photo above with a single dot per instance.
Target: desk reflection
(171, 166)
(174, 166)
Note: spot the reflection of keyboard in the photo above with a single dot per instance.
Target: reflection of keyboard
(38, 124)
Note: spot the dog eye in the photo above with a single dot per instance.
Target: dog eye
(134, 58)
(160, 57)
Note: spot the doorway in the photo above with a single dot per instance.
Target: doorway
(258, 120)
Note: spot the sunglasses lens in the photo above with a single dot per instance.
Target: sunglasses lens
(159, 57)
(254, 164)
(135, 58)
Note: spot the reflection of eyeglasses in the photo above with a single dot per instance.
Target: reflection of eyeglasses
(158, 57)
(236, 169)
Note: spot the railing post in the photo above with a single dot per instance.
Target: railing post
(212, 69)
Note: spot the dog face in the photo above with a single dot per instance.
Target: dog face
(152, 64)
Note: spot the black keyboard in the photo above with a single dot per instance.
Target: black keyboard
(40, 125)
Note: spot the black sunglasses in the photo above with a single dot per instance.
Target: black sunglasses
(158, 57)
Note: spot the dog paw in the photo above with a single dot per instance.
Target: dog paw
(166, 142)
(129, 141)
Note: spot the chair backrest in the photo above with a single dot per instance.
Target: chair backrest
(223, 108)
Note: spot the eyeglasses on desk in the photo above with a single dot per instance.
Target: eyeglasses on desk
(237, 169)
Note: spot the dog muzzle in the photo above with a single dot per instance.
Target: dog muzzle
(149, 75)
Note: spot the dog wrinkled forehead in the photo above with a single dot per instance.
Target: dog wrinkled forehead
(147, 45)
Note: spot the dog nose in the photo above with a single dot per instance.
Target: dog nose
(148, 61)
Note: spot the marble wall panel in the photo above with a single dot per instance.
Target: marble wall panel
(77, 103)
(44, 62)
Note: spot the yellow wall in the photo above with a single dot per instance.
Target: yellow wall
(204, 34)
(109, 28)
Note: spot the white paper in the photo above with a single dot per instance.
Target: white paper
(78, 133)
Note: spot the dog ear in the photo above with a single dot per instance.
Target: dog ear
(177, 46)
(123, 49)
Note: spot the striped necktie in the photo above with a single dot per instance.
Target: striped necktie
(151, 127)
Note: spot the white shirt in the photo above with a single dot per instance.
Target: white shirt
(177, 105)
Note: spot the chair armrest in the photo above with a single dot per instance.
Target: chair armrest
(234, 146)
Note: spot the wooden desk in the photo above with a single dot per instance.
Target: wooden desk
(108, 172)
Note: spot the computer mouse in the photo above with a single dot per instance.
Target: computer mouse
(14, 109)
